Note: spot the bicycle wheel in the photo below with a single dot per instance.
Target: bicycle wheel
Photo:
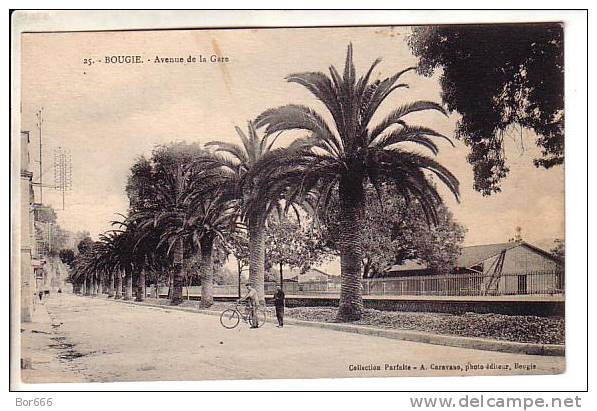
(261, 317)
(229, 318)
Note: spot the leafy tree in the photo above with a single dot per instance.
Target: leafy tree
(139, 183)
(395, 230)
(59, 239)
(224, 276)
(67, 256)
(146, 173)
(559, 250)
(44, 214)
(46, 229)
(85, 245)
(348, 153)
(497, 77)
(288, 243)
(238, 245)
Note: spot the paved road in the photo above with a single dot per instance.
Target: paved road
(101, 340)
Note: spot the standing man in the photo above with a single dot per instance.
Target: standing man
(251, 299)
(279, 303)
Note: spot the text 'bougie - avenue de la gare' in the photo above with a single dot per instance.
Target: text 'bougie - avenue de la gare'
(157, 59)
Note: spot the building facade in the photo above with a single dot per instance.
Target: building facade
(513, 268)
(27, 278)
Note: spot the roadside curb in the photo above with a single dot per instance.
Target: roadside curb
(404, 335)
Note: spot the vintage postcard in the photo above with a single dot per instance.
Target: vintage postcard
(289, 203)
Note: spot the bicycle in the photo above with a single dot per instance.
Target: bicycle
(231, 317)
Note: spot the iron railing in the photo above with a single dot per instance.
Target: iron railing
(468, 284)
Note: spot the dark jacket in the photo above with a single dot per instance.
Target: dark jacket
(279, 298)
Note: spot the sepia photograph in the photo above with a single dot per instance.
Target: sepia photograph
(260, 203)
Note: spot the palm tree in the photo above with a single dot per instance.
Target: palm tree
(213, 221)
(232, 175)
(88, 266)
(136, 256)
(349, 153)
(114, 258)
(104, 263)
(80, 273)
(185, 218)
(123, 253)
(168, 216)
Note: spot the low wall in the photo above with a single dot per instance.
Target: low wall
(520, 307)
(547, 307)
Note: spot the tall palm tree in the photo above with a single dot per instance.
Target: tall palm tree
(350, 152)
(231, 173)
(104, 262)
(124, 254)
(115, 257)
(185, 219)
(169, 217)
(81, 273)
(212, 221)
(136, 256)
(88, 266)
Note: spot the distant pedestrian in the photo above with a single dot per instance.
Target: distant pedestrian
(279, 303)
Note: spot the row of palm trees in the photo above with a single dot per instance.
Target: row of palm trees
(200, 204)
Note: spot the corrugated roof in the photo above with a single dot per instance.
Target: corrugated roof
(408, 265)
(473, 255)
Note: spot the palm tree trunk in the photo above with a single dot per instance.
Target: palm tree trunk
(257, 257)
(177, 277)
(111, 286)
(93, 284)
(87, 285)
(351, 211)
(281, 277)
(156, 283)
(141, 286)
(207, 273)
(118, 285)
(170, 276)
(128, 287)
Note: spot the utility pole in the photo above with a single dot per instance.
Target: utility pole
(62, 171)
(40, 122)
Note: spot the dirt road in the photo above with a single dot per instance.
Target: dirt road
(99, 340)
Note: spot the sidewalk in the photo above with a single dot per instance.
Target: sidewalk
(40, 340)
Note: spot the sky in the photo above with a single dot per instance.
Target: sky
(107, 115)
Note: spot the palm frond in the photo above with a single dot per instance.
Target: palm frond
(396, 115)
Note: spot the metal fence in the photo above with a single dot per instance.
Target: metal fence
(469, 284)
(521, 283)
